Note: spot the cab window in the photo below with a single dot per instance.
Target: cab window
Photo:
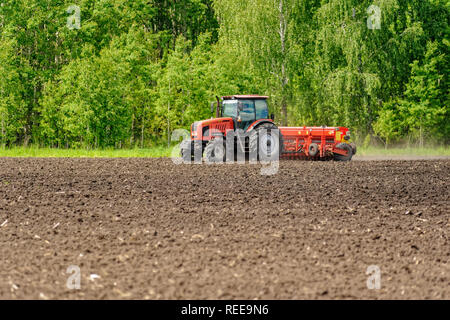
(248, 112)
(262, 111)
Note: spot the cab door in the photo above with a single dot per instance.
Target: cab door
(247, 114)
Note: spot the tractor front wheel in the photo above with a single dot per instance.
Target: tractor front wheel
(186, 151)
(191, 151)
(215, 151)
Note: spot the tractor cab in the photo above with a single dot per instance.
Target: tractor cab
(244, 110)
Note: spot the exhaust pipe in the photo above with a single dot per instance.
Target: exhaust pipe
(217, 107)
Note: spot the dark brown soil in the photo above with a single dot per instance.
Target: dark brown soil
(154, 230)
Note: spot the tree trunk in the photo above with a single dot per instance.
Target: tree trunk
(132, 130)
(142, 132)
(284, 110)
(421, 135)
(283, 79)
(168, 119)
(3, 131)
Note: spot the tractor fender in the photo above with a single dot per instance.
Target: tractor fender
(258, 123)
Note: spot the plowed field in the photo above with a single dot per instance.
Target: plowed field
(150, 229)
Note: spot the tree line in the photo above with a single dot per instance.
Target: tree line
(118, 73)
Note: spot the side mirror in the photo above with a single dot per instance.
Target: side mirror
(212, 107)
(272, 116)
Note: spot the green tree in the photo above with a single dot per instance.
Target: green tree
(12, 115)
(99, 101)
(135, 70)
(424, 109)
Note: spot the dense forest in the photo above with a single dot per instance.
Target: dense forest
(120, 73)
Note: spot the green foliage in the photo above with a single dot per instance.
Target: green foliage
(366, 142)
(12, 109)
(136, 70)
(423, 110)
(97, 100)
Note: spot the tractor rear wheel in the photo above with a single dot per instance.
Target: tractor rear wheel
(346, 147)
(266, 142)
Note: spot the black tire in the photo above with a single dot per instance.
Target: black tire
(257, 137)
(189, 149)
(215, 151)
(186, 150)
(313, 150)
(353, 148)
(348, 156)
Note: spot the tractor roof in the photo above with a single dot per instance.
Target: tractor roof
(248, 96)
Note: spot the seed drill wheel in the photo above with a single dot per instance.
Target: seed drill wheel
(346, 147)
(215, 151)
(313, 149)
(353, 148)
(266, 142)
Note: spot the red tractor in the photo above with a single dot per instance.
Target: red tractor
(243, 126)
